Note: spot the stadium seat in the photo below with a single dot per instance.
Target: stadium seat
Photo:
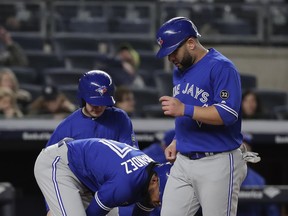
(62, 76)
(164, 83)
(26, 75)
(145, 97)
(70, 91)
(281, 112)
(270, 99)
(30, 42)
(96, 25)
(85, 59)
(35, 90)
(148, 61)
(248, 81)
(127, 26)
(41, 60)
(65, 44)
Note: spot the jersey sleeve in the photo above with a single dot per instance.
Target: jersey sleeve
(56, 136)
(227, 94)
(111, 194)
(95, 209)
(127, 134)
(141, 210)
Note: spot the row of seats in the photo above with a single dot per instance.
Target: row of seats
(62, 44)
(147, 99)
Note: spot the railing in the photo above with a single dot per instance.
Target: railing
(263, 24)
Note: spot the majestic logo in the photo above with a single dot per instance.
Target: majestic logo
(160, 41)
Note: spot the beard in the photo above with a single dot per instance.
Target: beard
(186, 62)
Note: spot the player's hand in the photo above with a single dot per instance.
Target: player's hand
(170, 152)
(172, 106)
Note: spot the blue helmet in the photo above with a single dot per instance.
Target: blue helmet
(96, 88)
(173, 32)
(163, 171)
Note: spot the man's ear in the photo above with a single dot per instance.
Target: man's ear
(154, 179)
(191, 43)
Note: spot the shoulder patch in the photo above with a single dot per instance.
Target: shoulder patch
(224, 94)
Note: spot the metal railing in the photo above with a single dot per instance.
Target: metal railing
(107, 20)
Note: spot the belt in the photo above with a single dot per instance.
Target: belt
(199, 155)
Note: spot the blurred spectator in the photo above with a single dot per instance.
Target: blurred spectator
(251, 107)
(9, 80)
(11, 54)
(255, 179)
(130, 61)
(124, 99)
(52, 102)
(8, 104)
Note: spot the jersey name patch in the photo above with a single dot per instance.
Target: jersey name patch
(224, 94)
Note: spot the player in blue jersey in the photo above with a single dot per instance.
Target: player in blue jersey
(71, 172)
(209, 167)
(97, 118)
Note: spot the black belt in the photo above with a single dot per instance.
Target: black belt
(199, 155)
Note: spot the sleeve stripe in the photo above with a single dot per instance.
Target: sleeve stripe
(223, 106)
(144, 208)
(101, 204)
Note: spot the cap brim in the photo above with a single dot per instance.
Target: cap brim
(100, 101)
(162, 52)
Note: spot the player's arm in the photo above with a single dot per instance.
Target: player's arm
(170, 151)
(174, 107)
(96, 207)
(227, 100)
(127, 134)
(141, 210)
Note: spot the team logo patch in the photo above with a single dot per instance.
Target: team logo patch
(160, 41)
(224, 94)
(101, 90)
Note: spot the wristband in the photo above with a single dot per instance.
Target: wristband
(189, 110)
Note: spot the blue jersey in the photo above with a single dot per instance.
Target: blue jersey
(213, 80)
(112, 124)
(121, 180)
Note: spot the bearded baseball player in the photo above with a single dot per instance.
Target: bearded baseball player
(91, 176)
(209, 166)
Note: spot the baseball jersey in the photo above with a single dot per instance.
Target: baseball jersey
(213, 80)
(113, 124)
(118, 173)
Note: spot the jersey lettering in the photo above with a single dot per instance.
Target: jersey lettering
(176, 90)
(193, 91)
(119, 151)
(135, 163)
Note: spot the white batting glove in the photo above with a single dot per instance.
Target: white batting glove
(251, 157)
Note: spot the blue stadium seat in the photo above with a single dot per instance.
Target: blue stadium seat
(26, 75)
(41, 60)
(248, 81)
(270, 99)
(62, 76)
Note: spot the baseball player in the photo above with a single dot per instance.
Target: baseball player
(71, 172)
(209, 167)
(96, 118)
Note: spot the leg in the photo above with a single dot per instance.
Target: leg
(179, 197)
(58, 184)
(218, 193)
